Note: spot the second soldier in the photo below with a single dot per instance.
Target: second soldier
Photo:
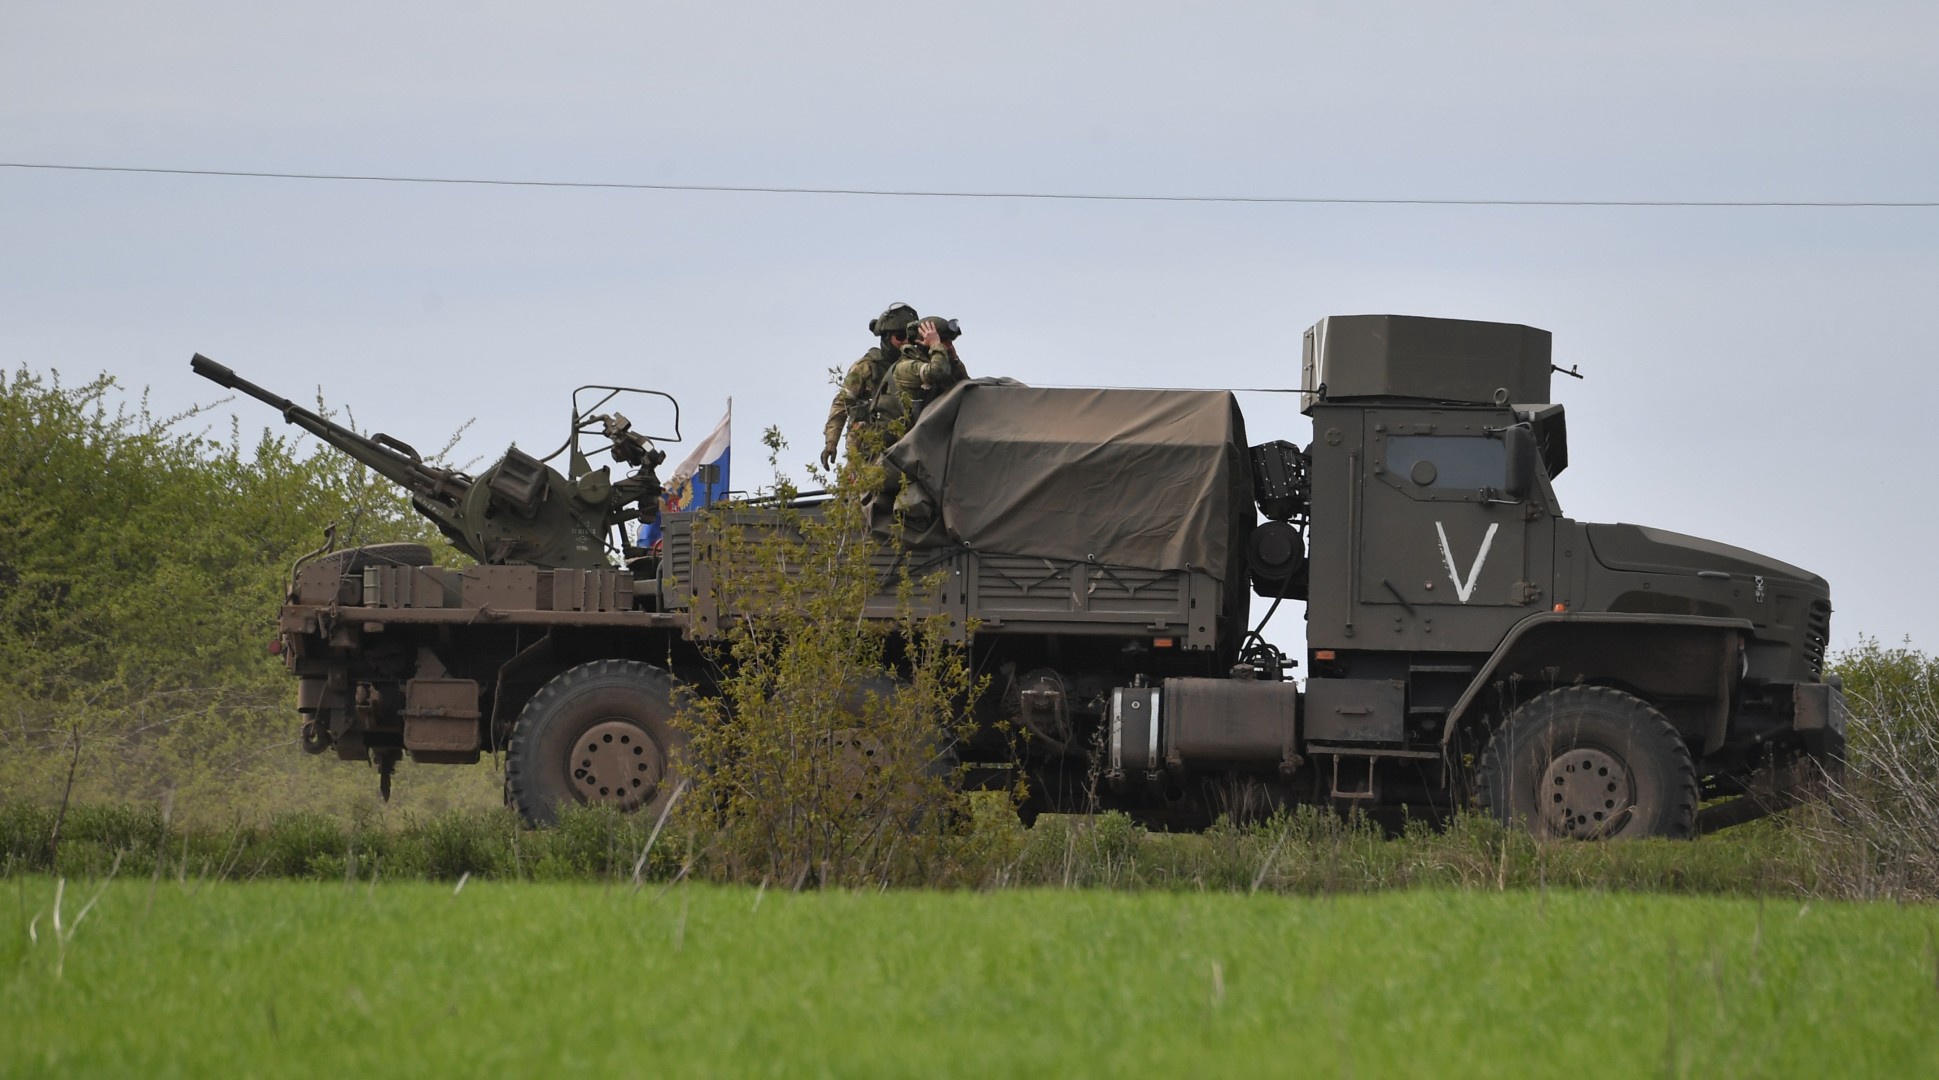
(926, 369)
(854, 412)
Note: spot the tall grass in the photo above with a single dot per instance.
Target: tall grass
(1307, 853)
(588, 844)
(1876, 836)
(1878, 833)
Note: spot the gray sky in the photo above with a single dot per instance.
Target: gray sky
(1760, 376)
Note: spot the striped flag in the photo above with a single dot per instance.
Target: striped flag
(700, 479)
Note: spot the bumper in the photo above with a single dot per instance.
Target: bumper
(1819, 716)
(1818, 722)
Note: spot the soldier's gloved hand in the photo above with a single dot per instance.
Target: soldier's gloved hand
(930, 337)
(828, 456)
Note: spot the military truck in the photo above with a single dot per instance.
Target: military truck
(1099, 553)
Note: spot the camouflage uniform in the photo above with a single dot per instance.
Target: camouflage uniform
(856, 405)
(921, 376)
(853, 407)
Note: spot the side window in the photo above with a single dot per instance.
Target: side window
(1445, 467)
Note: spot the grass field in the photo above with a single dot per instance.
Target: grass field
(1308, 852)
(305, 977)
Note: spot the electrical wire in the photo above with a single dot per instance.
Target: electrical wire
(901, 193)
(1190, 389)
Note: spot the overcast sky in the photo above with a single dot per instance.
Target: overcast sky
(1761, 376)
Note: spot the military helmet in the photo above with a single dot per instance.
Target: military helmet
(947, 329)
(897, 320)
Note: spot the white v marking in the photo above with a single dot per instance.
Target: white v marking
(1465, 589)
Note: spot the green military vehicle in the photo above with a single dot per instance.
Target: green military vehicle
(1100, 552)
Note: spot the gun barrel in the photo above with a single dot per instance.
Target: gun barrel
(228, 379)
(421, 479)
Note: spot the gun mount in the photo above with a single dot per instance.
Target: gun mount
(520, 510)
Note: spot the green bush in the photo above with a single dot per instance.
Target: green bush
(142, 563)
(298, 844)
(455, 845)
(1878, 835)
(24, 829)
(828, 755)
(589, 843)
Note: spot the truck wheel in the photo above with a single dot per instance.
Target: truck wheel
(1590, 763)
(598, 733)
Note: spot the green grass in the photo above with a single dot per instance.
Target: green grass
(1309, 852)
(306, 977)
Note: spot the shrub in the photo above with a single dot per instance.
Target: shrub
(589, 842)
(141, 565)
(300, 843)
(457, 844)
(827, 756)
(1879, 832)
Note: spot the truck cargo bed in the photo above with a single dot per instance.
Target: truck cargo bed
(995, 592)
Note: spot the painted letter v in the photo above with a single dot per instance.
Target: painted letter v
(1465, 589)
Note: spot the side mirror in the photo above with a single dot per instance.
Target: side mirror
(1519, 441)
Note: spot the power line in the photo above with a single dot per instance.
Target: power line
(757, 189)
(1188, 389)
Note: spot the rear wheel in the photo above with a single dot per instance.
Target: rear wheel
(599, 733)
(1590, 763)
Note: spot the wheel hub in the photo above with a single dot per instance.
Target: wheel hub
(1586, 792)
(616, 762)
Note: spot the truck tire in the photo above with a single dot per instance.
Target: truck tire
(598, 733)
(1590, 763)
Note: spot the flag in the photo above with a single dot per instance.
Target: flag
(699, 480)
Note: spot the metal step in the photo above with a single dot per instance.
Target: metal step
(1369, 791)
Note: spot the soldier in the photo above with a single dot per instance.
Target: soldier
(926, 369)
(853, 407)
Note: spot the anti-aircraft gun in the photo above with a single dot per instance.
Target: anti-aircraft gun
(521, 510)
(394, 655)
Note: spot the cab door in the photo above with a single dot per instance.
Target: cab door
(1449, 559)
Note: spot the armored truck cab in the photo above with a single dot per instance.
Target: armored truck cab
(1452, 605)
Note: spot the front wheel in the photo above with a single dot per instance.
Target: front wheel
(599, 733)
(1590, 763)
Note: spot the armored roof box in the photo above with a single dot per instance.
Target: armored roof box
(1409, 356)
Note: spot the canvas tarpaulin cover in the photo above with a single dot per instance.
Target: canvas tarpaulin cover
(1142, 478)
